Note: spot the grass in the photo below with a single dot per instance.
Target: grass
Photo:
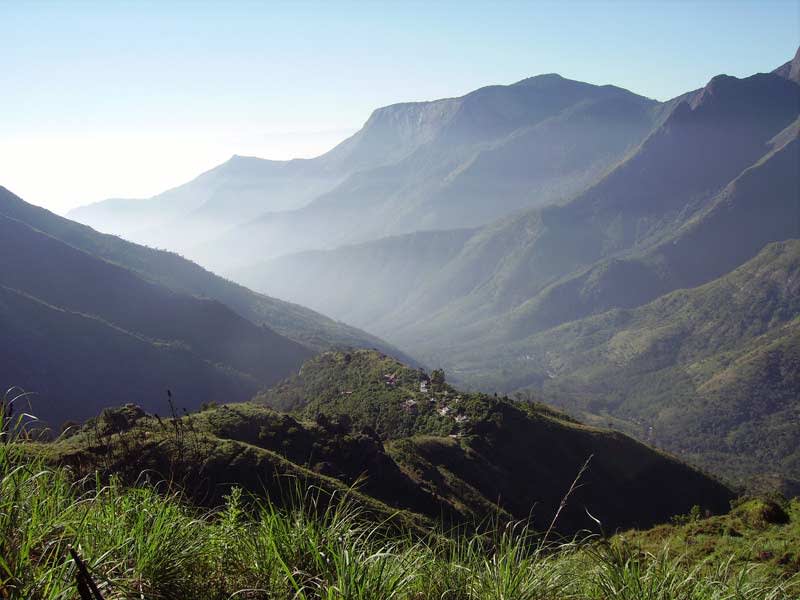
(141, 542)
(756, 530)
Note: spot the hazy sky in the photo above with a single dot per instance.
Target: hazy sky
(103, 99)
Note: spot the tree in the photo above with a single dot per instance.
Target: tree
(437, 379)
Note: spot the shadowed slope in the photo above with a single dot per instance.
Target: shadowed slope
(182, 276)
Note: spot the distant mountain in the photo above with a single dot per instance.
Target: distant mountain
(446, 164)
(363, 282)
(234, 192)
(703, 194)
(86, 315)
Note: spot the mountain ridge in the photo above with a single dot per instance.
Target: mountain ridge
(179, 274)
(556, 247)
(433, 142)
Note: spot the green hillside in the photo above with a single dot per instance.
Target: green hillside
(757, 531)
(709, 372)
(469, 448)
(244, 445)
(392, 533)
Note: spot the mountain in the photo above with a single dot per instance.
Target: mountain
(76, 326)
(445, 164)
(245, 187)
(791, 69)
(359, 283)
(179, 275)
(483, 458)
(546, 262)
(704, 193)
(710, 373)
(86, 315)
(234, 192)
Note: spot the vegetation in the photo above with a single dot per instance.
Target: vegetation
(144, 542)
(462, 482)
(710, 373)
(468, 449)
(376, 391)
(457, 461)
(758, 530)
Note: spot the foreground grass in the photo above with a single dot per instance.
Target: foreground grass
(141, 542)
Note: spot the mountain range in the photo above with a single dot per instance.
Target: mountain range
(704, 194)
(553, 238)
(458, 162)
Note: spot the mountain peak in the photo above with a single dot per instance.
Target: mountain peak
(791, 69)
(541, 78)
(728, 93)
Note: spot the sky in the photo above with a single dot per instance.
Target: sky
(127, 99)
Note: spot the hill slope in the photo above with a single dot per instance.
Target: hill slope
(709, 372)
(76, 364)
(63, 310)
(507, 461)
(483, 454)
(184, 277)
(89, 320)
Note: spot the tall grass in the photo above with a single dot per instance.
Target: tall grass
(140, 542)
(625, 573)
